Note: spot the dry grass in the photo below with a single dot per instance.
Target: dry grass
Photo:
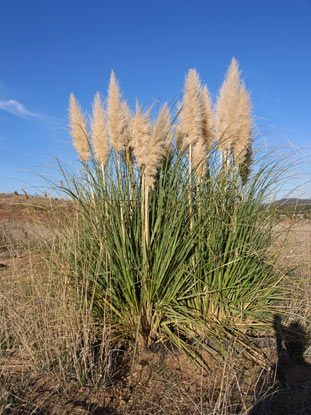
(297, 253)
(53, 360)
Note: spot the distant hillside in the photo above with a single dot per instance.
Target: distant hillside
(291, 202)
(292, 208)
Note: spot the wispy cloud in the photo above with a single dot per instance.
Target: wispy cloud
(16, 108)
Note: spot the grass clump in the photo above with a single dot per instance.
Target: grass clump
(170, 241)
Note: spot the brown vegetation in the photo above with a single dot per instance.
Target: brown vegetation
(38, 321)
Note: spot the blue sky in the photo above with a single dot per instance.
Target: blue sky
(51, 48)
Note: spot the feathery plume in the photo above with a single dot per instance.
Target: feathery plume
(115, 120)
(127, 153)
(99, 133)
(79, 131)
(226, 108)
(156, 148)
(193, 109)
(233, 120)
(126, 123)
(140, 133)
(169, 135)
(195, 124)
(245, 123)
(199, 158)
(202, 147)
(180, 129)
(208, 122)
(243, 146)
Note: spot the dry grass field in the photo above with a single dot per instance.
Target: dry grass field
(50, 362)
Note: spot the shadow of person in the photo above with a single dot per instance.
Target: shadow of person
(290, 391)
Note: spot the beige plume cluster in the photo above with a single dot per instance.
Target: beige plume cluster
(99, 132)
(226, 117)
(158, 145)
(119, 121)
(127, 153)
(244, 125)
(233, 116)
(115, 115)
(151, 141)
(116, 121)
(79, 130)
(195, 125)
(208, 119)
(140, 132)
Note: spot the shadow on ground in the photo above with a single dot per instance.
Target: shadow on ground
(289, 393)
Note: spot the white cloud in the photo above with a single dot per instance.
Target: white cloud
(16, 108)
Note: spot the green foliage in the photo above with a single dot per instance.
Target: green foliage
(200, 273)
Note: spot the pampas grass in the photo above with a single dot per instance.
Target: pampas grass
(195, 126)
(193, 109)
(115, 115)
(202, 147)
(181, 246)
(227, 108)
(234, 122)
(209, 134)
(78, 129)
(141, 129)
(243, 148)
(127, 153)
(157, 146)
(99, 133)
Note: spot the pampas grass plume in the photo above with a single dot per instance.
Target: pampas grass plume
(193, 109)
(245, 124)
(202, 147)
(209, 134)
(195, 126)
(226, 108)
(99, 132)
(156, 148)
(180, 129)
(199, 158)
(127, 153)
(114, 110)
(79, 131)
(140, 134)
(243, 147)
(169, 134)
